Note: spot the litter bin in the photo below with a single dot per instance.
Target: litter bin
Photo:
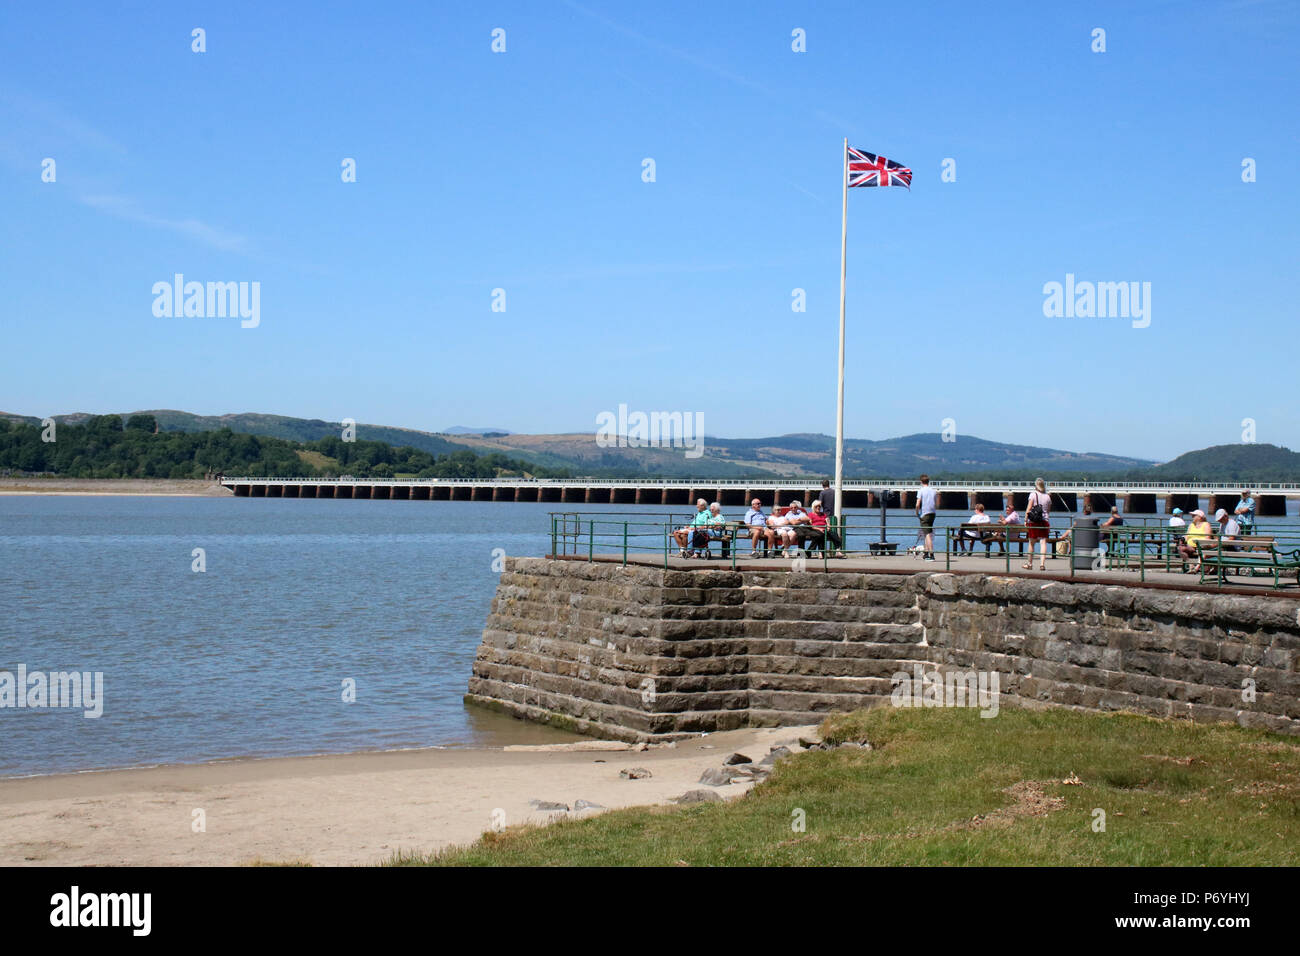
(1085, 539)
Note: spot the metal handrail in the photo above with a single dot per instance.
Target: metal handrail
(1127, 547)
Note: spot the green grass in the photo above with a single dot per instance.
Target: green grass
(945, 787)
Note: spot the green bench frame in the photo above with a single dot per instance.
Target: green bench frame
(1221, 555)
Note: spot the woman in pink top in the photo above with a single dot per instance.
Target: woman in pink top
(1037, 529)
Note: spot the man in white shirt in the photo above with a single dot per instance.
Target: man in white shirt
(1228, 526)
(972, 535)
(1177, 520)
(799, 523)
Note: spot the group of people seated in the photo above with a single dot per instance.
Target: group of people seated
(970, 537)
(789, 531)
(1201, 531)
(1224, 527)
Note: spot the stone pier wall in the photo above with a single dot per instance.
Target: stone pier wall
(638, 653)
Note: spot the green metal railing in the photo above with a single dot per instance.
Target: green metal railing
(1135, 546)
(625, 536)
(1147, 546)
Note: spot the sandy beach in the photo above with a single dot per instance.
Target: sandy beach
(183, 487)
(338, 810)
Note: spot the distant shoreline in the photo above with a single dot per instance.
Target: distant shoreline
(172, 487)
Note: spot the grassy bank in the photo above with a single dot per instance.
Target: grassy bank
(947, 787)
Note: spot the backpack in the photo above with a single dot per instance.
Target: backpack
(1035, 513)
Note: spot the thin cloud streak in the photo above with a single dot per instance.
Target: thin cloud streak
(124, 208)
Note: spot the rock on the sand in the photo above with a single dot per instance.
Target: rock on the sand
(634, 773)
(776, 754)
(587, 805)
(698, 796)
(548, 805)
(716, 777)
(737, 758)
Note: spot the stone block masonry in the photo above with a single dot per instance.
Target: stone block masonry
(639, 653)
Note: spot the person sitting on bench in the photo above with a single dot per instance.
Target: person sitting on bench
(1228, 528)
(756, 521)
(683, 535)
(717, 530)
(1198, 530)
(820, 531)
(799, 523)
(969, 536)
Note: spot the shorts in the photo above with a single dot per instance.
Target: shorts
(1037, 531)
(927, 521)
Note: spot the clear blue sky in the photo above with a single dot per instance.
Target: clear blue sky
(522, 171)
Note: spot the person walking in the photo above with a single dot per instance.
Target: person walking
(926, 508)
(1038, 518)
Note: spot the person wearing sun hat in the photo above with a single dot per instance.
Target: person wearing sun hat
(1198, 530)
(1177, 520)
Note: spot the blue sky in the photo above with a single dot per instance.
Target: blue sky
(522, 171)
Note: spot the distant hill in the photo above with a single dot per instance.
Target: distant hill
(809, 455)
(465, 430)
(271, 426)
(106, 447)
(797, 455)
(1246, 462)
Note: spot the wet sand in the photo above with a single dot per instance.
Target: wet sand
(337, 810)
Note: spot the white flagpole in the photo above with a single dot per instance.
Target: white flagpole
(839, 405)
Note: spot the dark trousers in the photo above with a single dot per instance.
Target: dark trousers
(816, 538)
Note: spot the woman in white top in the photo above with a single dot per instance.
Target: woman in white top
(1037, 529)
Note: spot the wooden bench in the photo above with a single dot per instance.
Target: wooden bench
(1246, 554)
(1000, 534)
(726, 534)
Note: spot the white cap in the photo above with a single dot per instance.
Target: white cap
(1220, 515)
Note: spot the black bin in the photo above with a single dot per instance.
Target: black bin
(1085, 539)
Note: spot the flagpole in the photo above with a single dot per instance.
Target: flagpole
(839, 405)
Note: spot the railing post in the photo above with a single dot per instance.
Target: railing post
(591, 539)
(624, 544)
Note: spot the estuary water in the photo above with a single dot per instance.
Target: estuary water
(300, 605)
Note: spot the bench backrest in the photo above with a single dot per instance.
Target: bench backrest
(1260, 545)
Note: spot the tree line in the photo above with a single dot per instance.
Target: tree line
(106, 447)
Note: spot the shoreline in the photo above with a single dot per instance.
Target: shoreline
(102, 487)
(340, 809)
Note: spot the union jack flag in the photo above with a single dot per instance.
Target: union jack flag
(868, 169)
